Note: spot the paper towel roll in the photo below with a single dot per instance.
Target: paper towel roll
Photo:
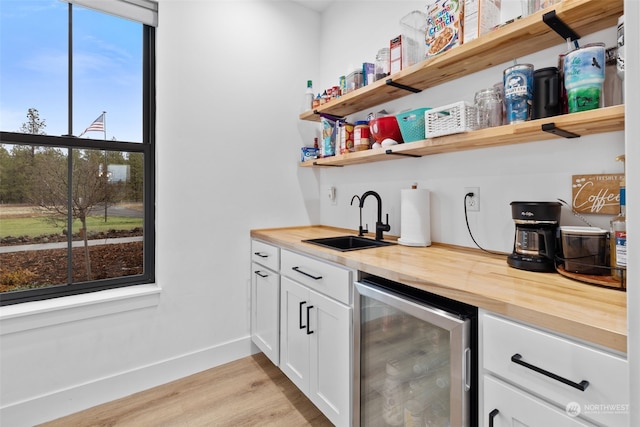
(415, 224)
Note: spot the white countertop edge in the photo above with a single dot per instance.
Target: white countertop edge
(55, 311)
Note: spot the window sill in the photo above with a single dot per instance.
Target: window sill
(55, 311)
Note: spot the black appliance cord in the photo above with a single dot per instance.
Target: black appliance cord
(466, 218)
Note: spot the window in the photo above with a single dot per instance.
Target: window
(77, 121)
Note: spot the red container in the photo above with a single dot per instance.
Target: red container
(385, 127)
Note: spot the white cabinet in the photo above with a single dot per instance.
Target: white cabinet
(316, 331)
(549, 371)
(507, 406)
(265, 299)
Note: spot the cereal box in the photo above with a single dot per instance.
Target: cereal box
(444, 26)
(480, 16)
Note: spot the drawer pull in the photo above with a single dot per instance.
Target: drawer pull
(261, 254)
(308, 309)
(306, 274)
(492, 415)
(261, 274)
(582, 385)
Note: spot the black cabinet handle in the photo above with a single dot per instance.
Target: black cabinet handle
(261, 254)
(582, 385)
(492, 415)
(308, 309)
(261, 274)
(297, 269)
(300, 315)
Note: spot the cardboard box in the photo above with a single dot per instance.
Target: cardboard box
(444, 26)
(368, 73)
(395, 52)
(480, 16)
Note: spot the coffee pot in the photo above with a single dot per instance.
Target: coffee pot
(535, 244)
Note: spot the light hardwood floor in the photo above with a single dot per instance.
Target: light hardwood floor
(247, 392)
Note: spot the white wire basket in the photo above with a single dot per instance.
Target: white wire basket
(453, 118)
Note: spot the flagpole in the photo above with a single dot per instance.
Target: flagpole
(106, 173)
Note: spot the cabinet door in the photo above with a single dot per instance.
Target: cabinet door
(560, 369)
(506, 406)
(330, 358)
(265, 311)
(294, 341)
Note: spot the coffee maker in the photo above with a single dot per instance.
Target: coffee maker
(535, 243)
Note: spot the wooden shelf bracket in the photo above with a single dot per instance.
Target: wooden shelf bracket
(390, 82)
(551, 128)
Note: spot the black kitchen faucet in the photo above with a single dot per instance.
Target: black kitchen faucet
(380, 226)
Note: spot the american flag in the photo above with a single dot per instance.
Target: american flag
(97, 125)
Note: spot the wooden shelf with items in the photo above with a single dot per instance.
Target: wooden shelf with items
(608, 119)
(521, 37)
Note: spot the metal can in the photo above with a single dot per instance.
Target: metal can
(346, 137)
(361, 136)
(518, 92)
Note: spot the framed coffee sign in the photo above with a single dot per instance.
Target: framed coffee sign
(596, 194)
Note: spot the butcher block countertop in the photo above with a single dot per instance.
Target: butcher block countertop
(549, 300)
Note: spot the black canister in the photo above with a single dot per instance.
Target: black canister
(546, 92)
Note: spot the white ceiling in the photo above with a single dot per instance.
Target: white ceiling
(318, 5)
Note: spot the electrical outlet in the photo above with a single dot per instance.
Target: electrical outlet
(331, 194)
(472, 202)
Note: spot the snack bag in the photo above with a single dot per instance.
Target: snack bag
(329, 131)
(444, 26)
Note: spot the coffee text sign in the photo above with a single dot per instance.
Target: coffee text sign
(596, 194)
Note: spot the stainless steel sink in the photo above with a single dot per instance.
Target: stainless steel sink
(348, 243)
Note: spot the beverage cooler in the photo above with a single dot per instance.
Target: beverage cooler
(415, 357)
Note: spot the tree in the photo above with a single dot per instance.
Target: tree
(17, 163)
(34, 125)
(89, 189)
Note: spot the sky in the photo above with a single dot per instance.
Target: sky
(107, 69)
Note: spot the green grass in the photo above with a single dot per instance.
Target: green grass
(38, 226)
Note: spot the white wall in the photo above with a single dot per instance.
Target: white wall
(230, 78)
(536, 171)
(632, 128)
(228, 144)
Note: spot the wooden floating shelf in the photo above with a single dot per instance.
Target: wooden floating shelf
(609, 119)
(522, 37)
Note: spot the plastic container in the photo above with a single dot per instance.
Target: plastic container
(453, 118)
(354, 80)
(414, 27)
(382, 63)
(584, 250)
(361, 133)
(385, 127)
(411, 124)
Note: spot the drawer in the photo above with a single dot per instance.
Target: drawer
(329, 279)
(507, 406)
(265, 254)
(553, 366)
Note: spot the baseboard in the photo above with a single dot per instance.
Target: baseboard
(82, 396)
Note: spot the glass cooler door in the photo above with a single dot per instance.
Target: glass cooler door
(413, 362)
